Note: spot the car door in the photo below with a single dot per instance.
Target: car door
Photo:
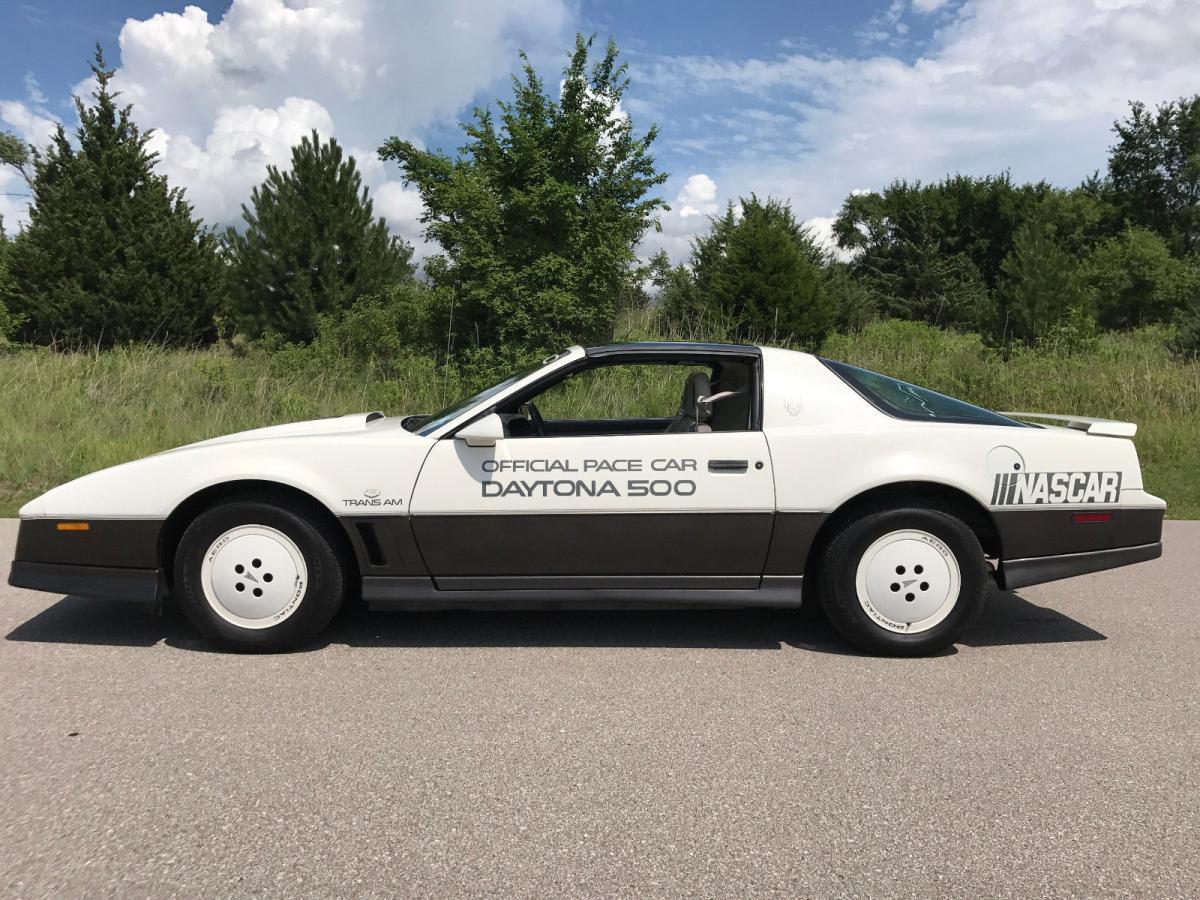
(632, 510)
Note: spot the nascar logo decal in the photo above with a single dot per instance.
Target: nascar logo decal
(1018, 488)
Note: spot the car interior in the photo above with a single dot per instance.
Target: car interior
(714, 395)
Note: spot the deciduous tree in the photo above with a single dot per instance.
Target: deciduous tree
(1133, 280)
(539, 215)
(1155, 170)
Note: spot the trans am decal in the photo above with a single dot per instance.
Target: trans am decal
(1038, 488)
(654, 486)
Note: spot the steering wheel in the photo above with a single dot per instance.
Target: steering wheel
(535, 419)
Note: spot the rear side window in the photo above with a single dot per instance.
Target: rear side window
(909, 401)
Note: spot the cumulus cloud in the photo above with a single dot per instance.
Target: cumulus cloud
(401, 206)
(1018, 85)
(30, 124)
(820, 229)
(243, 141)
(698, 196)
(228, 97)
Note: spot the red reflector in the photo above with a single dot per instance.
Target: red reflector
(1085, 518)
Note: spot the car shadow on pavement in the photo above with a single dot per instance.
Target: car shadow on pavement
(1008, 619)
(79, 620)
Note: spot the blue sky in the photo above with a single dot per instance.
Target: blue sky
(807, 101)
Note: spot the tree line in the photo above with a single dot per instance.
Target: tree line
(537, 222)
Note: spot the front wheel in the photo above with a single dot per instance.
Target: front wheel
(903, 581)
(259, 575)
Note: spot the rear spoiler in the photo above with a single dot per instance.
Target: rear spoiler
(1103, 427)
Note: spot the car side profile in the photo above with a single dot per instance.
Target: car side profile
(778, 476)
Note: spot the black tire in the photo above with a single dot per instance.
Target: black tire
(318, 542)
(838, 591)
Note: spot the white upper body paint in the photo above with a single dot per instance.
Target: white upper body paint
(821, 445)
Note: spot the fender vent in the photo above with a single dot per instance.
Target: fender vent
(370, 542)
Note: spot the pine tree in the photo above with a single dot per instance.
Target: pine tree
(8, 289)
(539, 216)
(765, 272)
(111, 253)
(311, 245)
(1040, 284)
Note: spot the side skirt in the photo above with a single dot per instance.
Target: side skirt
(391, 593)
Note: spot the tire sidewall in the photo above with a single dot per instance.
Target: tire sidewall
(856, 539)
(323, 593)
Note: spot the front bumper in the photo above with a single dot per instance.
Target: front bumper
(113, 559)
(1019, 573)
(142, 586)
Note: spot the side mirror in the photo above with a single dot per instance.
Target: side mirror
(483, 432)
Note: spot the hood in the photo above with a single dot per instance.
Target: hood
(335, 425)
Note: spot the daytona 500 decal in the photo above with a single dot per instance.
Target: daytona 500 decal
(1018, 488)
(654, 486)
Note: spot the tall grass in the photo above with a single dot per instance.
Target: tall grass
(63, 415)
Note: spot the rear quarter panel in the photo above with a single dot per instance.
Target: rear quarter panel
(829, 445)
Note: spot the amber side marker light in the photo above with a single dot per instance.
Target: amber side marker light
(1090, 518)
(73, 526)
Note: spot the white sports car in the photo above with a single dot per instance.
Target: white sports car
(780, 474)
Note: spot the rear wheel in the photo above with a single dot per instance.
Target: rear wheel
(260, 575)
(903, 581)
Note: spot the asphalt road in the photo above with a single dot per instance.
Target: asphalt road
(1055, 752)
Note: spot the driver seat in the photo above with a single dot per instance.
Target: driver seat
(694, 413)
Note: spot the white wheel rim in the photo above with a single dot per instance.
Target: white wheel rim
(908, 581)
(269, 568)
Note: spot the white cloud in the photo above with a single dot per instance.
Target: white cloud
(698, 196)
(928, 6)
(33, 125)
(696, 201)
(230, 96)
(243, 141)
(1023, 85)
(401, 206)
(820, 228)
(33, 91)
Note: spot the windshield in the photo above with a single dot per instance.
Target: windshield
(437, 420)
(908, 401)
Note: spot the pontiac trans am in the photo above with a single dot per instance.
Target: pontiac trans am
(781, 475)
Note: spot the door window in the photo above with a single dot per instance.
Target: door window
(689, 396)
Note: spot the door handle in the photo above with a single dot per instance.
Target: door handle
(728, 465)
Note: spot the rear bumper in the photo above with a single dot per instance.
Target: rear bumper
(142, 586)
(1019, 573)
